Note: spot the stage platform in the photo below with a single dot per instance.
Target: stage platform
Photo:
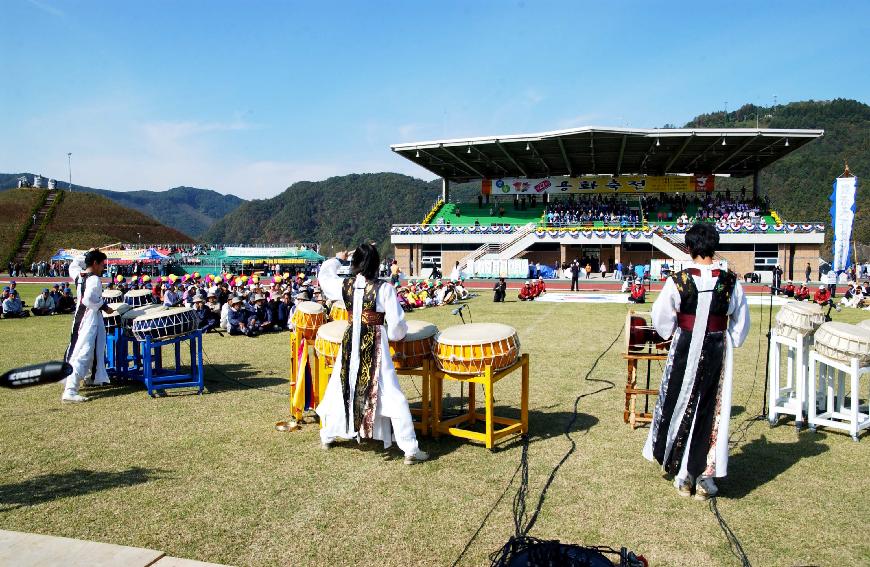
(30, 550)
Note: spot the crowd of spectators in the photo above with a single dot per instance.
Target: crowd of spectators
(41, 269)
(705, 207)
(55, 301)
(590, 208)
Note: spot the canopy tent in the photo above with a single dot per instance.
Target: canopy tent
(595, 150)
(152, 254)
(62, 256)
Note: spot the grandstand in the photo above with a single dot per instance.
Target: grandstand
(606, 195)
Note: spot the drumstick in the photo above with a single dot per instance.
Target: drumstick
(35, 375)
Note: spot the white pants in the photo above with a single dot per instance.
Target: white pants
(403, 433)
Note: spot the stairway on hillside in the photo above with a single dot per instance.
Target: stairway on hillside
(34, 226)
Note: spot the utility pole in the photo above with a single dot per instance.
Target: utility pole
(69, 165)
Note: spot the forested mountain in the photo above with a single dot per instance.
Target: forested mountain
(339, 211)
(800, 184)
(187, 209)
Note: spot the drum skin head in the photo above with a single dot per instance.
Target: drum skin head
(118, 308)
(418, 330)
(138, 292)
(865, 323)
(332, 332)
(141, 310)
(310, 307)
(112, 293)
(475, 333)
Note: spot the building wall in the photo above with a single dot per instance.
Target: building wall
(795, 266)
(546, 257)
(449, 259)
(403, 256)
(740, 262)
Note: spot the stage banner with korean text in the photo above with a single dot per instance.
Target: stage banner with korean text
(599, 184)
(842, 216)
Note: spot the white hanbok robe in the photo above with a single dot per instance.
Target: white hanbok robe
(392, 406)
(87, 349)
(664, 318)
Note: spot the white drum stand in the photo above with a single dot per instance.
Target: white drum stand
(836, 415)
(789, 398)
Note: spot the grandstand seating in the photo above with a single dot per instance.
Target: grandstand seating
(471, 212)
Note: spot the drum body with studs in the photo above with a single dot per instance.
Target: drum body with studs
(416, 347)
(138, 297)
(641, 336)
(113, 295)
(113, 321)
(328, 341)
(796, 320)
(469, 349)
(130, 315)
(164, 323)
(338, 312)
(308, 317)
(843, 342)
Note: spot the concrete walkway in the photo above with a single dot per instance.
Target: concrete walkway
(34, 550)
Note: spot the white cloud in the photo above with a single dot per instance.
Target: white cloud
(48, 9)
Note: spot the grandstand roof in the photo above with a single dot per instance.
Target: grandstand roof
(598, 150)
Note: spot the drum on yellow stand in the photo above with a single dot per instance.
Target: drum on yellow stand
(338, 312)
(469, 349)
(328, 341)
(416, 347)
(308, 317)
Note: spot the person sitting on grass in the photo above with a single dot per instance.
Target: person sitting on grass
(822, 295)
(283, 310)
(539, 288)
(43, 304)
(638, 292)
(240, 320)
(262, 314)
(208, 320)
(526, 292)
(500, 290)
(802, 293)
(67, 302)
(12, 306)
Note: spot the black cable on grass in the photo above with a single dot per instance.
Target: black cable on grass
(519, 505)
(733, 541)
(520, 499)
(741, 431)
(236, 381)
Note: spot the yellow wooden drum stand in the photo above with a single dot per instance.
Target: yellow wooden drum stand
(479, 353)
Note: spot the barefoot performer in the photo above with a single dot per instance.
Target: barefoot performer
(705, 310)
(363, 397)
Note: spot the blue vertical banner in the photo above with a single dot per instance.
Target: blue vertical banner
(842, 217)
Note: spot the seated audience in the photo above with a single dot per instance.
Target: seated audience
(43, 304)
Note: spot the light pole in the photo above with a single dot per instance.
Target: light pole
(69, 165)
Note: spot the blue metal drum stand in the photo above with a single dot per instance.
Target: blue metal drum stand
(156, 378)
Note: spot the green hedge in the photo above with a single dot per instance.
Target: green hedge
(22, 234)
(37, 238)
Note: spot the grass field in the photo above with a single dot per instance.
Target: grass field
(207, 477)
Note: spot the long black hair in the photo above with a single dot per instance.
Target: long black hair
(702, 240)
(366, 261)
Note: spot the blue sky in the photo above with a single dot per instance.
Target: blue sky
(248, 97)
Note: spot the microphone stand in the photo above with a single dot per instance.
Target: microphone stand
(767, 354)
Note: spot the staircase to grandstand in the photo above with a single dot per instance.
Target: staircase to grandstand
(41, 214)
(674, 245)
(521, 239)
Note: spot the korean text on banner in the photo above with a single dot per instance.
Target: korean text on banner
(842, 216)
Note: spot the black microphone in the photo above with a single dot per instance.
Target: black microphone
(460, 308)
(36, 374)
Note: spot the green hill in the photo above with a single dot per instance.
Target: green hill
(187, 209)
(339, 211)
(799, 185)
(82, 220)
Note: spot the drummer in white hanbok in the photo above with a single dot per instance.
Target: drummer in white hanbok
(705, 310)
(363, 398)
(87, 345)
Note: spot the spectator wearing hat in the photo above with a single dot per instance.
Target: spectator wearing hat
(43, 304)
(171, 298)
(283, 310)
(67, 302)
(208, 319)
(262, 314)
(526, 292)
(239, 320)
(56, 294)
(822, 295)
(13, 308)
